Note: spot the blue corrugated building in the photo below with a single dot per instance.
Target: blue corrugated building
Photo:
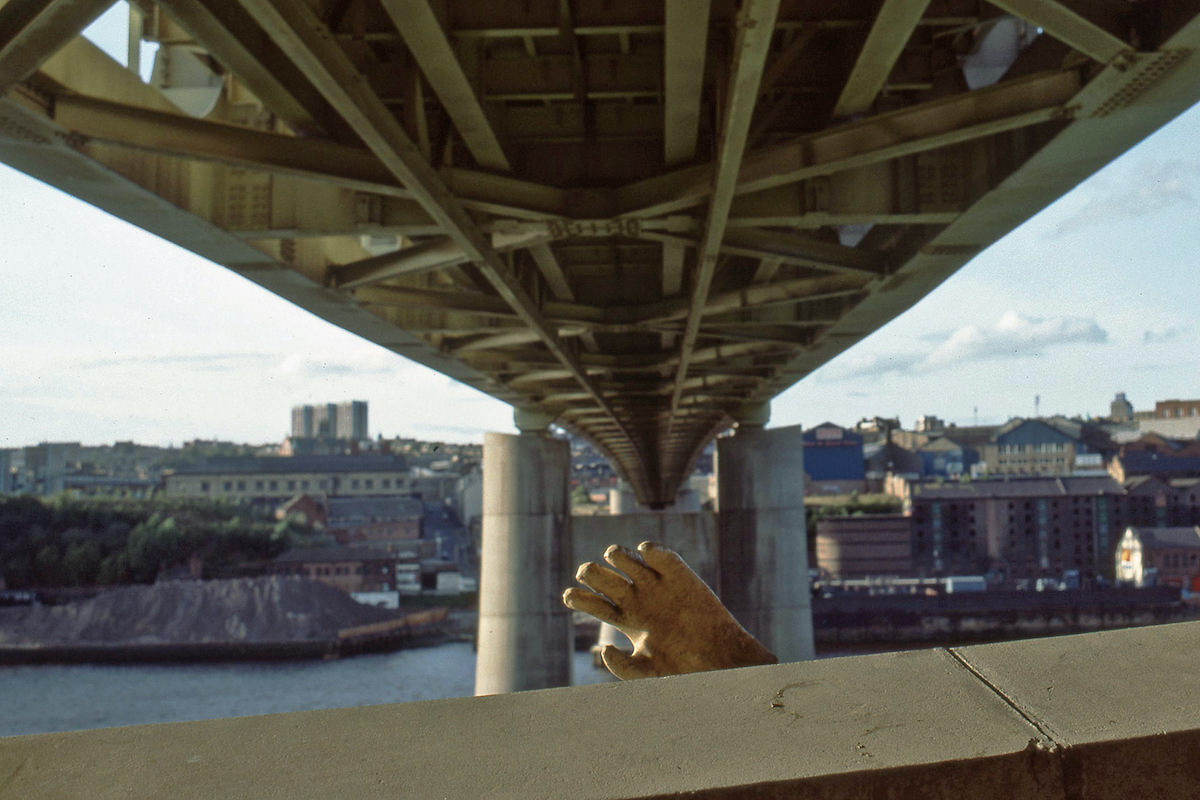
(833, 453)
(945, 458)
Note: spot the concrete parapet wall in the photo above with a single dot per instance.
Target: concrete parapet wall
(1103, 715)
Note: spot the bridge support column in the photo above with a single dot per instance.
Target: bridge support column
(525, 631)
(762, 549)
(621, 500)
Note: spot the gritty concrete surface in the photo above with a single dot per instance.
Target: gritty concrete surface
(974, 723)
(1093, 687)
(786, 725)
(1124, 706)
(525, 631)
(692, 535)
(622, 500)
(761, 470)
(762, 549)
(528, 474)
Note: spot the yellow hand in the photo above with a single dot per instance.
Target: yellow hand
(676, 623)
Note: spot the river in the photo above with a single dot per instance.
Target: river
(45, 698)
(49, 697)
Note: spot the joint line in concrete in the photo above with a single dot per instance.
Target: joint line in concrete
(1054, 745)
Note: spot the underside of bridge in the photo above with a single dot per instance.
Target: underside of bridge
(641, 219)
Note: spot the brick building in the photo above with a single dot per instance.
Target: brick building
(1034, 527)
(1021, 527)
(870, 544)
(348, 569)
(355, 520)
(313, 509)
(277, 479)
(1176, 409)
(1184, 504)
(1157, 455)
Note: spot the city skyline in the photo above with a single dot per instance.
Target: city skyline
(112, 334)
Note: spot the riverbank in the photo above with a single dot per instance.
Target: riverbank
(852, 620)
(59, 697)
(246, 619)
(281, 619)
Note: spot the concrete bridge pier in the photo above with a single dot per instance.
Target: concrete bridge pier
(762, 549)
(621, 500)
(525, 631)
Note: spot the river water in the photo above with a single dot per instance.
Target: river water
(45, 698)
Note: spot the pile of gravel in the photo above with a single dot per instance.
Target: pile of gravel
(271, 609)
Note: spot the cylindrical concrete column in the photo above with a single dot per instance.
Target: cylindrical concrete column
(621, 500)
(687, 502)
(762, 550)
(525, 631)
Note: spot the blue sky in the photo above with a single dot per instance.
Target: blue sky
(110, 333)
(1095, 295)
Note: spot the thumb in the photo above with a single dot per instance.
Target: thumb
(627, 667)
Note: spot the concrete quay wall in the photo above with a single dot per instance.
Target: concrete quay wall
(990, 616)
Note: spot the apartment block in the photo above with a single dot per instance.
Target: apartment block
(346, 420)
(1021, 527)
(1034, 527)
(276, 479)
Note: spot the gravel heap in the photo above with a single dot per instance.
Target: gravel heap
(270, 609)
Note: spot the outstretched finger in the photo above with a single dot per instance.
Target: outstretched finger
(591, 603)
(606, 582)
(661, 559)
(629, 562)
(627, 667)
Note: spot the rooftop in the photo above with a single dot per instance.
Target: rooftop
(1170, 537)
(295, 464)
(378, 508)
(1018, 487)
(1150, 462)
(329, 555)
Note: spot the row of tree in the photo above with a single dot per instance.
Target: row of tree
(87, 541)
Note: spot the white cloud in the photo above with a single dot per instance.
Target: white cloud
(359, 362)
(210, 362)
(1158, 185)
(1164, 335)
(1013, 335)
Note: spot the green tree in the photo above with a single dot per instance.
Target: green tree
(114, 569)
(82, 563)
(85, 540)
(19, 514)
(48, 567)
(17, 570)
